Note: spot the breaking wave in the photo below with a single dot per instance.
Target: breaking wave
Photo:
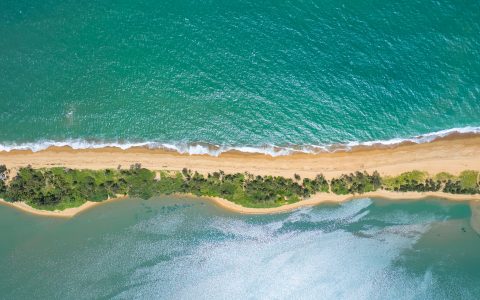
(216, 150)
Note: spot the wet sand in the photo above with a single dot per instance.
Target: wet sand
(452, 154)
(317, 199)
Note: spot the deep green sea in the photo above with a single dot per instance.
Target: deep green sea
(202, 76)
(189, 249)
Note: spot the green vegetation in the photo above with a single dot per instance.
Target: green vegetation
(60, 188)
(466, 183)
(357, 183)
(319, 184)
(414, 181)
(404, 181)
(469, 179)
(3, 178)
(444, 177)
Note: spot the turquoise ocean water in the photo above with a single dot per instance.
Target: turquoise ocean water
(241, 74)
(188, 249)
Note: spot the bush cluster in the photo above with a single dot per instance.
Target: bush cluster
(241, 188)
(63, 187)
(313, 186)
(466, 183)
(356, 183)
(414, 181)
(414, 186)
(59, 188)
(3, 179)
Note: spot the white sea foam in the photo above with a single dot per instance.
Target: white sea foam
(419, 139)
(215, 150)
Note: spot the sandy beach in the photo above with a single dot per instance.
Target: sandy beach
(66, 213)
(453, 154)
(333, 198)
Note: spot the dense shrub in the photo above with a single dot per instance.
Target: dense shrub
(3, 179)
(137, 182)
(414, 181)
(356, 183)
(469, 180)
(244, 189)
(62, 187)
(69, 187)
(58, 188)
(312, 186)
(465, 183)
(444, 177)
(28, 185)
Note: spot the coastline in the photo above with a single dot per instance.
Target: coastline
(317, 199)
(198, 148)
(322, 198)
(66, 213)
(452, 154)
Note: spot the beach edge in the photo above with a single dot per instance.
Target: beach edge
(317, 199)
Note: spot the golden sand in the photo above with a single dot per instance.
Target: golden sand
(453, 154)
(66, 213)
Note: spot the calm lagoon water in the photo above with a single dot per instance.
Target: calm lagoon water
(190, 249)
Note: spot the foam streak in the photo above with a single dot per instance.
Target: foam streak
(215, 150)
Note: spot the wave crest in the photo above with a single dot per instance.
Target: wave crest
(216, 150)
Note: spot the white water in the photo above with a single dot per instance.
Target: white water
(215, 150)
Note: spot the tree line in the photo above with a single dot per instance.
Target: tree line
(59, 188)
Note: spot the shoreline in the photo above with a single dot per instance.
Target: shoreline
(318, 199)
(66, 213)
(200, 148)
(323, 198)
(452, 154)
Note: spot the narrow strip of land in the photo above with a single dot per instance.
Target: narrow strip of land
(453, 154)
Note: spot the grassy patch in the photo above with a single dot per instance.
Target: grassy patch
(468, 179)
(444, 176)
(395, 182)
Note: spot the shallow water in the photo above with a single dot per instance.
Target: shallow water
(236, 74)
(184, 249)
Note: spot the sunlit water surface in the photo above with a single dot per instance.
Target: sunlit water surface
(189, 249)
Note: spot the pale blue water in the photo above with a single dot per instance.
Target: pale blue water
(234, 74)
(189, 249)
